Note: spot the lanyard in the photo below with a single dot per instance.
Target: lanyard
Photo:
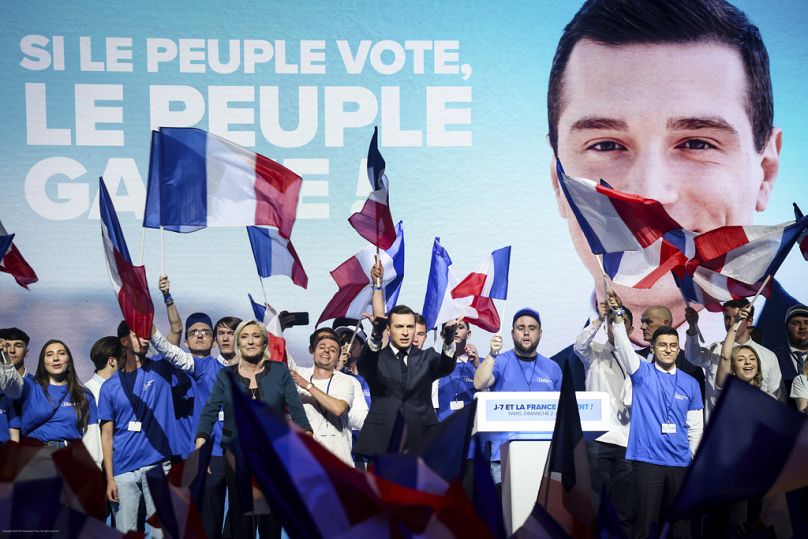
(528, 381)
(619, 366)
(463, 368)
(323, 411)
(668, 402)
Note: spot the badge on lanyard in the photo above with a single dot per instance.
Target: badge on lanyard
(221, 415)
(135, 426)
(668, 428)
(456, 405)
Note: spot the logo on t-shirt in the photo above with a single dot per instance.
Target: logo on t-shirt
(147, 384)
(543, 380)
(681, 397)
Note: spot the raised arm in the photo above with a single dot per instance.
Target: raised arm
(175, 322)
(377, 273)
(368, 362)
(173, 354)
(583, 343)
(484, 375)
(725, 365)
(694, 352)
(10, 381)
(446, 363)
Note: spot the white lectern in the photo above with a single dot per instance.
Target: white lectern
(530, 417)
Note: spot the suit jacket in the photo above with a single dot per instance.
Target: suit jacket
(392, 399)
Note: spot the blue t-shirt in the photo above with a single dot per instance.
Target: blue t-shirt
(8, 418)
(206, 369)
(514, 374)
(141, 406)
(37, 407)
(660, 397)
(458, 386)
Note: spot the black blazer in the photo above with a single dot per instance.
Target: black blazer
(389, 396)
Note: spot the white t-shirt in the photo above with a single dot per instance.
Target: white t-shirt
(332, 432)
(799, 389)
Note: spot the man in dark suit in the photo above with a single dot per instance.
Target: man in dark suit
(400, 377)
(793, 355)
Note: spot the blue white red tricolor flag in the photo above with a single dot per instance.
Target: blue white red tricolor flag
(613, 221)
(356, 285)
(272, 322)
(275, 255)
(128, 280)
(752, 432)
(734, 261)
(642, 269)
(490, 282)
(439, 305)
(566, 489)
(298, 476)
(11, 261)
(197, 179)
(375, 221)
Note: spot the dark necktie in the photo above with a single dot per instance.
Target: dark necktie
(400, 356)
(800, 358)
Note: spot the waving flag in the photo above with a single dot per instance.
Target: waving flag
(439, 305)
(802, 241)
(491, 280)
(485, 285)
(275, 255)
(375, 222)
(197, 179)
(642, 269)
(356, 286)
(733, 262)
(748, 431)
(128, 280)
(566, 490)
(298, 476)
(11, 261)
(272, 321)
(178, 497)
(613, 221)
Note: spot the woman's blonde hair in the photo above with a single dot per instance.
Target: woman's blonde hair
(263, 331)
(757, 381)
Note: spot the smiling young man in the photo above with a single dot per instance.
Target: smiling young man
(400, 377)
(327, 396)
(666, 424)
(671, 101)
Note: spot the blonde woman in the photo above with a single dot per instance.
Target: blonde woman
(263, 380)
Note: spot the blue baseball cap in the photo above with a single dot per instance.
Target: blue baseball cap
(526, 311)
(195, 318)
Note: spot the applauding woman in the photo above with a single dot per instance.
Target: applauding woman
(56, 408)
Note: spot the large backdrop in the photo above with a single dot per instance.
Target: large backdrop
(457, 89)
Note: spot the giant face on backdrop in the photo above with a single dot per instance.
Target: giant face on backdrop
(671, 101)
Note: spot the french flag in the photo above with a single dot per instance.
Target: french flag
(197, 179)
(748, 254)
(711, 289)
(356, 285)
(642, 269)
(299, 477)
(11, 261)
(272, 322)
(375, 222)
(611, 220)
(439, 304)
(484, 286)
(566, 489)
(748, 431)
(128, 280)
(275, 255)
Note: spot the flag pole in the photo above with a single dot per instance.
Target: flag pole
(687, 303)
(142, 243)
(162, 251)
(760, 290)
(263, 291)
(353, 337)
